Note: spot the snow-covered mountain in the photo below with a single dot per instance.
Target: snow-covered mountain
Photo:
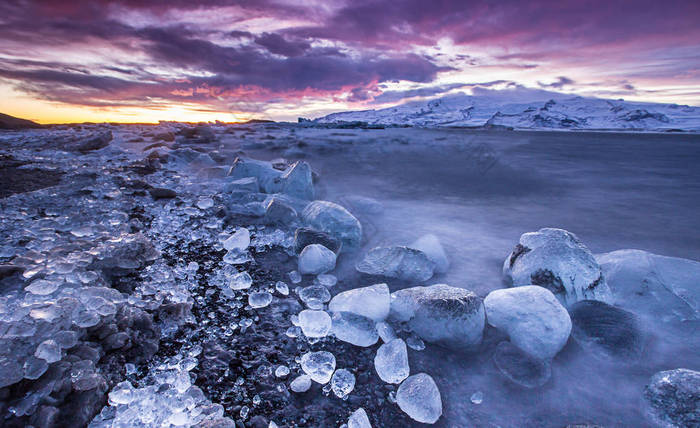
(544, 110)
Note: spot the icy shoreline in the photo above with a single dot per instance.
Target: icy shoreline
(155, 277)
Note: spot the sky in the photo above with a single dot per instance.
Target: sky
(235, 60)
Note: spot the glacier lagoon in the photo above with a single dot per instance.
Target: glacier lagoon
(160, 213)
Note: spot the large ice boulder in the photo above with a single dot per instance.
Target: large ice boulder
(532, 317)
(673, 398)
(373, 302)
(336, 221)
(557, 260)
(430, 245)
(606, 330)
(391, 361)
(659, 287)
(418, 396)
(407, 264)
(316, 259)
(441, 314)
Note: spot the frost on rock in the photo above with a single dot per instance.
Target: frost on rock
(316, 259)
(342, 383)
(354, 329)
(391, 361)
(359, 419)
(373, 302)
(300, 383)
(314, 323)
(418, 396)
(319, 366)
(399, 262)
(430, 245)
(449, 316)
(556, 260)
(672, 398)
(657, 287)
(532, 317)
(336, 221)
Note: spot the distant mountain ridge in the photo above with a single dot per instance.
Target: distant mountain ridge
(11, 122)
(549, 110)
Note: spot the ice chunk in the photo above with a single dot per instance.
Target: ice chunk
(532, 317)
(204, 203)
(656, 287)
(359, 419)
(278, 211)
(430, 245)
(314, 323)
(391, 361)
(318, 365)
(295, 277)
(268, 178)
(404, 263)
(243, 185)
(282, 288)
(240, 281)
(239, 241)
(414, 342)
(260, 299)
(556, 260)
(297, 181)
(354, 329)
(449, 316)
(42, 287)
(316, 259)
(386, 331)
(282, 371)
(418, 396)
(49, 351)
(342, 383)
(123, 393)
(314, 296)
(372, 302)
(336, 221)
(477, 397)
(11, 372)
(327, 280)
(301, 383)
(35, 367)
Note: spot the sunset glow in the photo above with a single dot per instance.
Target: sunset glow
(234, 60)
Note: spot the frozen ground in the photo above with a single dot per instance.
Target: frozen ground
(115, 269)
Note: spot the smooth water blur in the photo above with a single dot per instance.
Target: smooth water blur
(478, 192)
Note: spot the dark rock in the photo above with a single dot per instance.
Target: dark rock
(7, 270)
(673, 398)
(95, 142)
(164, 136)
(304, 236)
(606, 329)
(521, 368)
(162, 193)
